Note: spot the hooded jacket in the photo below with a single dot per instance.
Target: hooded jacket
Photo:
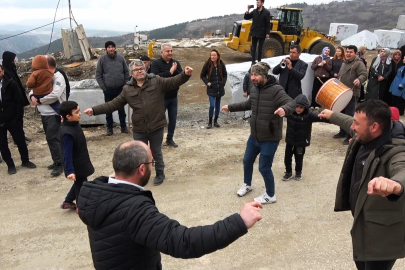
(41, 79)
(10, 101)
(299, 126)
(147, 101)
(11, 71)
(264, 101)
(127, 231)
(378, 231)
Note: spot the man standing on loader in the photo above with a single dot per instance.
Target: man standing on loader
(260, 28)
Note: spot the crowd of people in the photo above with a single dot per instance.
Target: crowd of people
(126, 229)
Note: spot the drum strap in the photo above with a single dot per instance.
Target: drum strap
(347, 70)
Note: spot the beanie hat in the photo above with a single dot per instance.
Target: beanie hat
(394, 113)
(261, 68)
(109, 43)
(144, 58)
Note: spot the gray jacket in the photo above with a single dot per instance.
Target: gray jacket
(264, 101)
(112, 73)
(352, 70)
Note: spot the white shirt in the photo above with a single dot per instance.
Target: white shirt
(116, 181)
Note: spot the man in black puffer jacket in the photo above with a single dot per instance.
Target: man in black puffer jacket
(298, 136)
(269, 103)
(127, 231)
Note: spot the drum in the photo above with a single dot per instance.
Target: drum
(334, 95)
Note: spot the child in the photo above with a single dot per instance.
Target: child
(299, 127)
(41, 80)
(75, 154)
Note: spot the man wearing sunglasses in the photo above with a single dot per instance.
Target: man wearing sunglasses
(127, 231)
(145, 94)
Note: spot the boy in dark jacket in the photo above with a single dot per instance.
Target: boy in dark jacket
(75, 154)
(299, 127)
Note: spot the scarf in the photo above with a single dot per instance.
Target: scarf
(323, 50)
(385, 60)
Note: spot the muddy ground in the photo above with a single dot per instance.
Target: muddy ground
(300, 231)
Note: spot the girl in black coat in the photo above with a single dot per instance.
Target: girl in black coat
(214, 75)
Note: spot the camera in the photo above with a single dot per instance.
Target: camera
(251, 6)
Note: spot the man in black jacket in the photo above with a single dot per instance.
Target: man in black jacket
(167, 67)
(10, 115)
(292, 74)
(127, 231)
(260, 28)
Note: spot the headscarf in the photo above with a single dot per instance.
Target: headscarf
(400, 56)
(8, 60)
(323, 50)
(379, 59)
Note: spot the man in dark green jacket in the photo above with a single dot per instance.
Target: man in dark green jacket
(374, 165)
(269, 103)
(145, 95)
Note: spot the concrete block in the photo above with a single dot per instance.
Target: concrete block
(364, 38)
(342, 30)
(87, 94)
(390, 39)
(401, 22)
(236, 73)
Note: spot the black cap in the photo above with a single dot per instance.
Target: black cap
(109, 43)
(144, 58)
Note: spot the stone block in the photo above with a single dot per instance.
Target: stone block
(342, 30)
(236, 73)
(390, 39)
(363, 38)
(401, 22)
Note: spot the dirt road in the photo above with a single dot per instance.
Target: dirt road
(300, 231)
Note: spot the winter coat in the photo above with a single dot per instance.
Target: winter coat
(147, 101)
(217, 87)
(10, 102)
(162, 68)
(264, 101)
(376, 89)
(112, 72)
(299, 126)
(247, 84)
(378, 230)
(41, 79)
(394, 70)
(399, 79)
(260, 24)
(11, 71)
(290, 79)
(127, 231)
(322, 71)
(352, 70)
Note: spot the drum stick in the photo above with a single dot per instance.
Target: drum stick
(320, 80)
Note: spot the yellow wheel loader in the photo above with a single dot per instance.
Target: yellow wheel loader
(286, 29)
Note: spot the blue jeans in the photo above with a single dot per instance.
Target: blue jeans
(171, 105)
(267, 151)
(215, 102)
(109, 95)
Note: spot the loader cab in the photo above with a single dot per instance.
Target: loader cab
(290, 21)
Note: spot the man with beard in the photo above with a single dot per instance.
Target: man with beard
(374, 165)
(10, 71)
(111, 74)
(127, 231)
(269, 103)
(145, 95)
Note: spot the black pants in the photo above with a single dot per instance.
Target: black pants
(155, 139)
(51, 125)
(109, 95)
(260, 49)
(298, 153)
(375, 265)
(315, 88)
(74, 191)
(399, 103)
(17, 132)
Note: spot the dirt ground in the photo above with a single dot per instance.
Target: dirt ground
(300, 231)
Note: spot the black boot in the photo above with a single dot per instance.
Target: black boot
(216, 122)
(209, 123)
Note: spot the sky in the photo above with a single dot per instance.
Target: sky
(123, 15)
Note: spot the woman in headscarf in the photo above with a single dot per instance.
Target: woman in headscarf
(396, 63)
(380, 70)
(322, 66)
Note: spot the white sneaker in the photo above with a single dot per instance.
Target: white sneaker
(243, 190)
(266, 199)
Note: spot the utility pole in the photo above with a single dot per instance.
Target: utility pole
(70, 15)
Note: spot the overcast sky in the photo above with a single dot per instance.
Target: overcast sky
(123, 15)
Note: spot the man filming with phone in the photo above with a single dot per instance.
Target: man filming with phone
(260, 27)
(291, 70)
